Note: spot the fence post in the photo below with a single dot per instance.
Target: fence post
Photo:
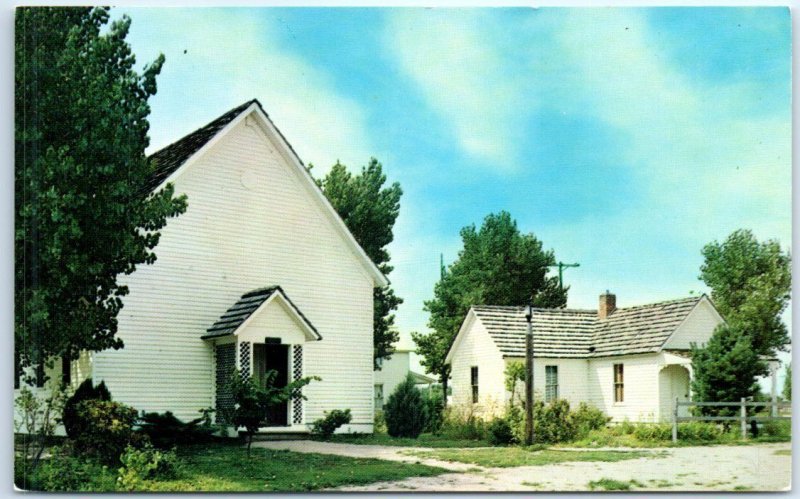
(743, 417)
(675, 422)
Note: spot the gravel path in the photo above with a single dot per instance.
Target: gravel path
(714, 468)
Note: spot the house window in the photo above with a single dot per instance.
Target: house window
(551, 383)
(474, 383)
(379, 396)
(66, 371)
(379, 363)
(619, 392)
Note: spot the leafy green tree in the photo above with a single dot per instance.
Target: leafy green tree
(787, 383)
(83, 215)
(370, 210)
(514, 377)
(725, 369)
(252, 401)
(498, 265)
(750, 284)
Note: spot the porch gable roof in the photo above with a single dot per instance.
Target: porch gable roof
(248, 306)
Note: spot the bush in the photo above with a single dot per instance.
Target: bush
(461, 422)
(405, 411)
(588, 418)
(86, 391)
(778, 429)
(698, 431)
(165, 430)
(434, 409)
(500, 432)
(380, 423)
(143, 464)
(325, 427)
(63, 473)
(104, 428)
(653, 432)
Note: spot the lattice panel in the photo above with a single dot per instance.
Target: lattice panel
(226, 363)
(297, 373)
(244, 358)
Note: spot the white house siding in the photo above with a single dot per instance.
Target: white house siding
(477, 348)
(233, 239)
(696, 328)
(641, 382)
(572, 378)
(393, 372)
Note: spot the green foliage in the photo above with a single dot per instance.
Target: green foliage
(434, 410)
(333, 420)
(405, 411)
(725, 370)
(165, 430)
(83, 217)
(370, 210)
(104, 428)
(379, 423)
(38, 420)
(497, 265)
(460, 422)
(787, 383)
(252, 401)
(750, 284)
(499, 432)
(588, 418)
(85, 391)
(514, 378)
(64, 473)
(145, 463)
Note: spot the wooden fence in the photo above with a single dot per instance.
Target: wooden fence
(743, 418)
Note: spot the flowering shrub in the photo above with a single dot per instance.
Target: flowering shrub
(104, 428)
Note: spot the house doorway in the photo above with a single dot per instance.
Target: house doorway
(268, 357)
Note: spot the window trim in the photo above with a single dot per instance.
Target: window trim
(548, 385)
(619, 383)
(474, 383)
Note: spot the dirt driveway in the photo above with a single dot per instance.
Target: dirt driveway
(764, 467)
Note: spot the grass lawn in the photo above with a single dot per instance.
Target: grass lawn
(225, 467)
(610, 484)
(424, 440)
(505, 457)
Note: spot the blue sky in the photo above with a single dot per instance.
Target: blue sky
(625, 139)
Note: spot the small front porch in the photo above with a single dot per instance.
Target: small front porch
(262, 332)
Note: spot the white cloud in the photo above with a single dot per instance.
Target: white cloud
(232, 56)
(450, 56)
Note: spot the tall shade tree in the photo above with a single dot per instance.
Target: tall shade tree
(369, 209)
(83, 216)
(750, 284)
(498, 265)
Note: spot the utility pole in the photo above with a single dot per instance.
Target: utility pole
(561, 266)
(529, 375)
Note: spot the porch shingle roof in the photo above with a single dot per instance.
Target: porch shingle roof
(235, 316)
(574, 333)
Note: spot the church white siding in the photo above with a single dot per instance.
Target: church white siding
(252, 221)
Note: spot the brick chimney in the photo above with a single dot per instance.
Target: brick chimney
(608, 303)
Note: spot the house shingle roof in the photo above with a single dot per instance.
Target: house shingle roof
(235, 316)
(165, 161)
(573, 333)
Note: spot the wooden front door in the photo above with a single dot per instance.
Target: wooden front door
(273, 358)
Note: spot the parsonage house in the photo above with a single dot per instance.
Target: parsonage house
(630, 362)
(259, 273)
